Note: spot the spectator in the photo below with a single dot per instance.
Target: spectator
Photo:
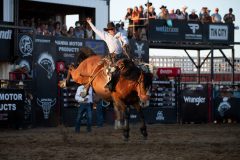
(135, 18)
(57, 29)
(141, 16)
(216, 17)
(204, 15)
(89, 32)
(172, 15)
(162, 14)
(64, 30)
(193, 16)
(229, 17)
(128, 17)
(121, 29)
(152, 13)
(184, 12)
(79, 32)
(179, 15)
(85, 101)
(71, 32)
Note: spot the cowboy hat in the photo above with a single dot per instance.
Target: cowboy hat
(148, 3)
(184, 7)
(193, 10)
(110, 26)
(163, 7)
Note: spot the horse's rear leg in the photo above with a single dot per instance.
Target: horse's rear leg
(143, 128)
(126, 124)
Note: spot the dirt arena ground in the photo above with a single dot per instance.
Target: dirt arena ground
(165, 142)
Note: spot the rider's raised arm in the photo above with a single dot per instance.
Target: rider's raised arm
(101, 34)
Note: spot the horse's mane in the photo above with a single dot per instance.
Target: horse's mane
(132, 72)
(83, 54)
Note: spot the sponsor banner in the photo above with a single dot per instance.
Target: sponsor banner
(174, 31)
(67, 48)
(219, 33)
(45, 80)
(193, 32)
(6, 41)
(226, 107)
(11, 106)
(194, 103)
(174, 72)
(139, 50)
(162, 30)
(25, 45)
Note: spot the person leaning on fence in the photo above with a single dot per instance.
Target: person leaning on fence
(117, 45)
(85, 101)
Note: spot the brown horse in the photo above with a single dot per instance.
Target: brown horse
(130, 89)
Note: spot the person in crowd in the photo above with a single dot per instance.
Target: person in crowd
(89, 32)
(184, 12)
(193, 16)
(128, 17)
(50, 26)
(229, 17)
(172, 15)
(64, 30)
(205, 16)
(71, 32)
(152, 13)
(85, 101)
(146, 11)
(115, 41)
(57, 29)
(122, 30)
(141, 17)
(216, 17)
(179, 15)
(135, 18)
(79, 31)
(163, 14)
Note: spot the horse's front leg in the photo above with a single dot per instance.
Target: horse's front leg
(143, 128)
(126, 123)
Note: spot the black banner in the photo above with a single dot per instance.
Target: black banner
(6, 41)
(45, 81)
(194, 104)
(139, 50)
(175, 30)
(11, 107)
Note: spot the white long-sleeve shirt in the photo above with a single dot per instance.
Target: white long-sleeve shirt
(113, 42)
(89, 96)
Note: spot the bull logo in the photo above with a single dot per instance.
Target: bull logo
(223, 106)
(46, 62)
(139, 50)
(46, 104)
(26, 45)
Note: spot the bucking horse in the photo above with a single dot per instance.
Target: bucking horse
(131, 87)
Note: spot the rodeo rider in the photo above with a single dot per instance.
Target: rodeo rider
(117, 45)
